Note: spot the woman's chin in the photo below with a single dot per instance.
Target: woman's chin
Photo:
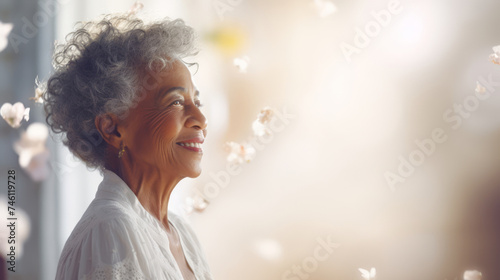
(194, 173)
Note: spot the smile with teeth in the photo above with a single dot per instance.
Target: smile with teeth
(194, 145)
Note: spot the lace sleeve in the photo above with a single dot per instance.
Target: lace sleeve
(125, 270)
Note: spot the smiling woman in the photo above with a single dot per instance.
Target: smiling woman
(144, 138)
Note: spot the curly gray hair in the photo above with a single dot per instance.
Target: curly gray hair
(99, 70)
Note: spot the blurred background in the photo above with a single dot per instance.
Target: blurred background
(384, 151)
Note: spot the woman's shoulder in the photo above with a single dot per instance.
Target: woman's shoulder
(99, 214)
(104, 235)
(104, 241)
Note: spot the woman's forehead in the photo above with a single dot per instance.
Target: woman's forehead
(176, 74)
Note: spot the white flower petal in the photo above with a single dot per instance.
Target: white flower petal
(5, 29)
(373, 272)
(325, 7)
(37, 132)
(136, 8)
(480, 88)
(25, 158)
(26, 114)
(241, 63)
(368, 275)
(496, 49)
(495, 57)
(259, 129)
(39, 90)
(239, 153)
(5, 109)
(14, 114)
(364, 272)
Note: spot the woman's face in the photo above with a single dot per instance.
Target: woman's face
(166, 128)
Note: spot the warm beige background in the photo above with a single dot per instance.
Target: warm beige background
(323, 175)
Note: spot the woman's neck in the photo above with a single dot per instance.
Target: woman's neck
(151, 185)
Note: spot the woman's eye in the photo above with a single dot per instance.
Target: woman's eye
(198, 103)
(177, 103)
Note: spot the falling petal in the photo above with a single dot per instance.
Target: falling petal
(38, 96)
(241, 63)
(196, 203)
(26, 114)
(373, 272)
(472, 275)
(239, 153)
(5, 29)
(496, 49)
(249, 152)
(260, 129)
(38, 167)
(325, 7)
(495, 57)
(260, 125)
(364, 273)
(33, 154)
(136, 8)
(39, 90)
(368, 275)
(14, 114)
(480, 88)
(37, 132)
(266, 115)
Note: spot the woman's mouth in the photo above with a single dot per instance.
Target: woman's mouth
(192, 146)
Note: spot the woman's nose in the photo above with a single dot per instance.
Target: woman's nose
(197, 119)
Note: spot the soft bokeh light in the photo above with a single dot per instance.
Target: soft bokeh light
(268, 249)
(5, 29)
(359, 89)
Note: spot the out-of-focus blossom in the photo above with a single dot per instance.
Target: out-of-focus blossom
(22, 228)
(479, 88)
(325, 7)
(260, 129)
(14, 114)
(5, 29)
(495, 56)
(260, 125)
(242, 63)
(39, 90)
(196, 203)
(266, 115)
(33, 154)
(368, 275)
(136, 8)
(239, 153)
(229, 39)
(472, 275)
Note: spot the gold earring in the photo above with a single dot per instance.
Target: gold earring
(122, 150)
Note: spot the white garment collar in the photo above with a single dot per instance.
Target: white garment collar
(113, 187)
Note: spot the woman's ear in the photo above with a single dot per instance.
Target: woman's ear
(107, 125)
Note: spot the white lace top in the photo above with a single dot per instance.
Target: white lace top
(118, 239)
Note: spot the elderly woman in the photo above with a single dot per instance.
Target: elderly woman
(124, 98)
